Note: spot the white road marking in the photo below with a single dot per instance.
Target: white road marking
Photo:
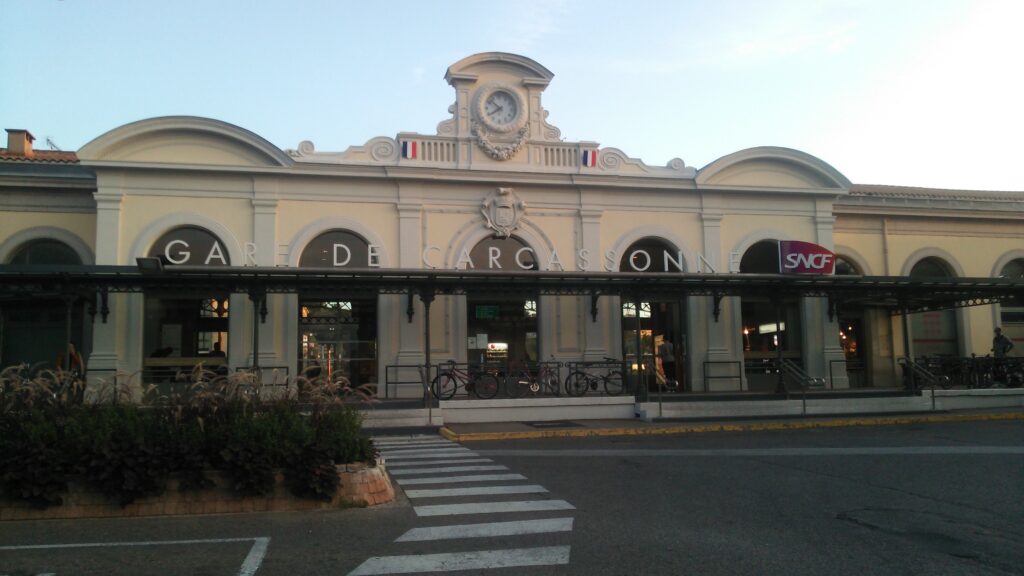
(408, 471)
(432, 462)
(475, 491)
(458, 479)
(407, 453)
(477, 560)
(488, 530)
(413, 444)
(249, 566)
(445, 454)
(492, 507)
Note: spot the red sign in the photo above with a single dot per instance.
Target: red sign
(796, 257)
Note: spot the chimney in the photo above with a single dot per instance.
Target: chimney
(19, 141)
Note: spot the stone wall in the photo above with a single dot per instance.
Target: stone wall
(361, 485)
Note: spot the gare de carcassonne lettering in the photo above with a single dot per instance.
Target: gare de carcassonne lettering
(178, 252)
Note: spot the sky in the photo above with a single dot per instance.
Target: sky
(901, 92)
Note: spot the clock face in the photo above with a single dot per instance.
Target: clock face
(501, 108)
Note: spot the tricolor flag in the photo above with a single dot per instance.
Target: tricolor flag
(409, 149)
(590, 157)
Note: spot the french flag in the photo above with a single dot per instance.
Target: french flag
(590, 157)
(409, 149)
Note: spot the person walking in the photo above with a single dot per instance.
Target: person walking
(1001, 345)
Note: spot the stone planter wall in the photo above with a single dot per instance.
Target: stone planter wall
(361, 485)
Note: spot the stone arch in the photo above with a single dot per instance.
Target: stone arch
(474, 231)
(13, 243)
(853, 256)
(151, 233)
(948, 259)
(654, 232)
(314, 229)
(756, 236)
(809, 171)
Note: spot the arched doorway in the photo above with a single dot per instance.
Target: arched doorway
(338, 330)
(853, 330)
(182, 329)
(1011, 318)
(655, 327)
(502, 328)
(934, 333)
(37, 332)
(768, 323)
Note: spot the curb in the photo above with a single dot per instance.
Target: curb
(737, 427)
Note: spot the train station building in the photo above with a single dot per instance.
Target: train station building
(531, 248)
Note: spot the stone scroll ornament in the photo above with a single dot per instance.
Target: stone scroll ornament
(502, 210)
(499, 151)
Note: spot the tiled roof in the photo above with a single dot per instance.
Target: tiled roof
(880, 191)
(49, 156)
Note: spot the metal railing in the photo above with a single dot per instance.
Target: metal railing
(396, 375)
(709, 365)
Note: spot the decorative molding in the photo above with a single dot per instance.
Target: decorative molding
(480, 100)
(499, 151)
(378, 150)
(502, 210)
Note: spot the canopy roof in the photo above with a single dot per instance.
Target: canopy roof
(895, 293)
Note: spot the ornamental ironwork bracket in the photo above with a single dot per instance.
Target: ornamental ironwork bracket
(717, 310)
(409, 310)
(832, 304)
(104, 306)
(593, 306)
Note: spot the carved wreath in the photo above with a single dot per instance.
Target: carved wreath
(499, 151)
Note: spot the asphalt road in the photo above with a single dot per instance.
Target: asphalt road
(926, 499)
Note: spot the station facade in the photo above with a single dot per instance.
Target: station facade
(496, 188)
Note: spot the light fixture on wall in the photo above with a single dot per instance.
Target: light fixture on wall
(150, 265)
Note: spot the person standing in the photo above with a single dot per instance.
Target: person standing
(1001, 345)
(667, 353)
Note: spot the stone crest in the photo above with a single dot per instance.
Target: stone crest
(502, 210)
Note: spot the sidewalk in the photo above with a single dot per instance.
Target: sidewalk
(585, 428)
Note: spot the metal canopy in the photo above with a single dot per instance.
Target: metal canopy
(898, 294)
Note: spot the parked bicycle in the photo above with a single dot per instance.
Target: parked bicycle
(541, 380)
(482, 384)
(580, 381)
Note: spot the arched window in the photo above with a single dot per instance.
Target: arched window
(768, 323)
(658, 326)
(933, 333)
(1011, 318)
(46, 252)
(34, 331)
(190, 245)
(502, 328)
(182, 330)
(338, 328)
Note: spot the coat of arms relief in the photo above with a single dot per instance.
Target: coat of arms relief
(502, 210)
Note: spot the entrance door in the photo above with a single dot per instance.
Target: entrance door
(662, 343)
(339, 339)
(501, 330)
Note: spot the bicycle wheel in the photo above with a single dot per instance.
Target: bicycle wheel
(613, 383)
(549, 384)
(576, 384)
(517, 384)
(485, 386)
(444, 386)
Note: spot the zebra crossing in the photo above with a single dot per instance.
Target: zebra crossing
(447, 482)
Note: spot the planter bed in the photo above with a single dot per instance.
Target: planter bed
(361, 485)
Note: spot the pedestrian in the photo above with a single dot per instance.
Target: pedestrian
(1001, 345)
(667, 353)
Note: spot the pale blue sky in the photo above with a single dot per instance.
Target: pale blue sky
(925, 93)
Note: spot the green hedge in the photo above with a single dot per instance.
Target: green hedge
(127, 451)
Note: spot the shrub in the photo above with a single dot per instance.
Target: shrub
(127, 451)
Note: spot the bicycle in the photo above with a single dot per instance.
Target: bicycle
(579, 381)
(543, 380)
(448, 381)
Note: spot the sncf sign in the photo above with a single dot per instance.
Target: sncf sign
(796, 257)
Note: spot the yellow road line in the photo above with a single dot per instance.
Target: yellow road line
(658, 430)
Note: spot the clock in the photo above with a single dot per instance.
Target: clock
(500, 108)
